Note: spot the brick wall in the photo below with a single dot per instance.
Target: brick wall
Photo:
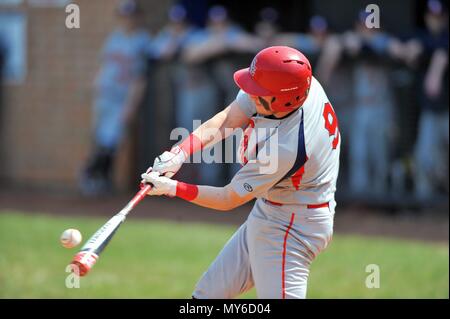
(45, 123)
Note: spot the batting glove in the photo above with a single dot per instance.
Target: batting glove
(161, 185)
(168, 163)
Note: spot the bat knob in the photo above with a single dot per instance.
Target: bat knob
(144, 185)
(83, 262)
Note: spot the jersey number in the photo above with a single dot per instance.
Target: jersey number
(331, 123)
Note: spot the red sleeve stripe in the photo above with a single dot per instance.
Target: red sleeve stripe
(186, 191)
(191, 145)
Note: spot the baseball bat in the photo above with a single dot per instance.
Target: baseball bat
(86, 258)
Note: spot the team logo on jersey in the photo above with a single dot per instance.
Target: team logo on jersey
(248, 187)
(253, 67)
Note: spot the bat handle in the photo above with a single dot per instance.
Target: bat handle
(141, 194)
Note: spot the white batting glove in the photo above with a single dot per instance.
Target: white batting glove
(168, 163)
(161, 185)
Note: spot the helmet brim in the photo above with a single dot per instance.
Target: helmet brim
(244, 80)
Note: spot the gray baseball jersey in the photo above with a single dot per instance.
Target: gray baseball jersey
(291, 165)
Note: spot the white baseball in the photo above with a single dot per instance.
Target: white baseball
(70, 238)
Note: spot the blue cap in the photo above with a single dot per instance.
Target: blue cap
(217, 13)
(269, 14)
(318, 23)
(177, 13)
(435, 7)
(127, 8)
(362, 16)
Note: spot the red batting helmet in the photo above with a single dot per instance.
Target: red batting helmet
(278, 71)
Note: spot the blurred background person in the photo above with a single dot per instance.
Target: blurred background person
(166, 74)
(119, 88)
(170, 40)
(210, 58)
(267, 28)
(372, 116)
(219, 42)
(196, 99)
(2, 55)
(431, 149)
(3, 52)
(220, 37)
(311, 42)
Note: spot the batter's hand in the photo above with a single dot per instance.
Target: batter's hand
(168, 163)
(161, 185)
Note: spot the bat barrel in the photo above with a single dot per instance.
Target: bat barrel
(83, 262)
(86, 258)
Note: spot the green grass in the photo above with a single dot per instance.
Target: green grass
(159, 259)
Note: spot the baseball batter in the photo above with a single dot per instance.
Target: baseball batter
(290, 155)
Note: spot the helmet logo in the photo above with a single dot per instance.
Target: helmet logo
(253, 67)
(289, 89)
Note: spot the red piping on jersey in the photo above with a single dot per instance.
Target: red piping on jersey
(283, 283)
(312, 206)
(273, 203)
(296, 178)
(309, 206)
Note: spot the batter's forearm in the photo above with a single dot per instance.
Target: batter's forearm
(202, 137)
(218, 198)
(209, 132)
(212, 197)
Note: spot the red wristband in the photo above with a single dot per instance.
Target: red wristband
(186, 191)
(191, 145)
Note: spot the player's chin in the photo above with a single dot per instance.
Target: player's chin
(287, 111)
(262, 111)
